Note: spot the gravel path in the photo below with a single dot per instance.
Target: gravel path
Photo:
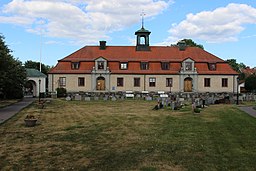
(249, 110)
(9, 111)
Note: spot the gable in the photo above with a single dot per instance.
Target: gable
(100, 59)
(188, 60)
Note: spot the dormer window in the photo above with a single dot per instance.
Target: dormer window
(123, 65)
(165, 65)
(188, 66)
(75, 65)
(100, 65)
(212, 66)
(144, 66)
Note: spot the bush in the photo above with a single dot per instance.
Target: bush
(197, 110)
(250, 83)
(61, 92)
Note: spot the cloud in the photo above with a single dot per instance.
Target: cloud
(83, 21)
(248, 37)
(221, 25)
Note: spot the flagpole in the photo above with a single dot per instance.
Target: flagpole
(40, 67)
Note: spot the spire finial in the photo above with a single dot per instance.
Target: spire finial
(142, 18)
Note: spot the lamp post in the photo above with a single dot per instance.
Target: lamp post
(39, 90)
(237, 92)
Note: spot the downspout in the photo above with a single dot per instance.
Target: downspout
(233, 83)
(144, 83)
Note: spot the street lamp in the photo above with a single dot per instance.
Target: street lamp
(237, 92)
(39, 89)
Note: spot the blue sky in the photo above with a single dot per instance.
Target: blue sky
(226, 29)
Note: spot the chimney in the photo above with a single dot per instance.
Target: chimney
(182, 45)
(102, 45)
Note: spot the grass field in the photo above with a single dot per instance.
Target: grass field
(4, 103)
(128, 135)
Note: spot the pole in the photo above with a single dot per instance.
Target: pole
(39, 90)
(237, 92)
(40, 67)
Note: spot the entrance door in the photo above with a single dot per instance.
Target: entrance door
(100, 83)
(188, 85)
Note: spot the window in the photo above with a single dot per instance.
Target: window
(81, 81)
(75, 65)
(144, 65)
(207, 82)
(212, 67)
(165, 65)
(142, 40)
(188, 66)
(124, 65)
(136, 82)
(152, 82)
(169, 82)
(120, 82)
(224, 82)
(100, 64)
(62, 81)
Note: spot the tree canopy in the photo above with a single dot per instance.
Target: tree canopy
(236, 66)
(36, 65)
(250, 83)
(190, 42)
(12, 73)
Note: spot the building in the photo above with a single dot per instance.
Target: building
(248, 71)
(143, 68)
(36, 83)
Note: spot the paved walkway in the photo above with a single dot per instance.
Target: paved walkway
(249, 110)
(9, 111)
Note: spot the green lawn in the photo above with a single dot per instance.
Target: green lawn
(4, 103)
(128, 135)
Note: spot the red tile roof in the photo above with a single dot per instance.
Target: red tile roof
(157, 54)
(248, 71)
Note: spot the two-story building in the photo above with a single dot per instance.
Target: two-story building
(143, 67)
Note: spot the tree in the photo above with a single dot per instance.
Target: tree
(250, 83)
(36, 65)
(190, 42)
(12, 73)
(236, 66)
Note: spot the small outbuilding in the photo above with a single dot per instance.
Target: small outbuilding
(36, 83)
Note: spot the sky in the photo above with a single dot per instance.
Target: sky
(49, 30)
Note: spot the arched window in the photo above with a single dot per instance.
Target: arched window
(142, 40)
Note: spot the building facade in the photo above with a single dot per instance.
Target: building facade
(36, 83)
(141, 68)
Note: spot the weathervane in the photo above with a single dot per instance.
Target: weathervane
(142, 18)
